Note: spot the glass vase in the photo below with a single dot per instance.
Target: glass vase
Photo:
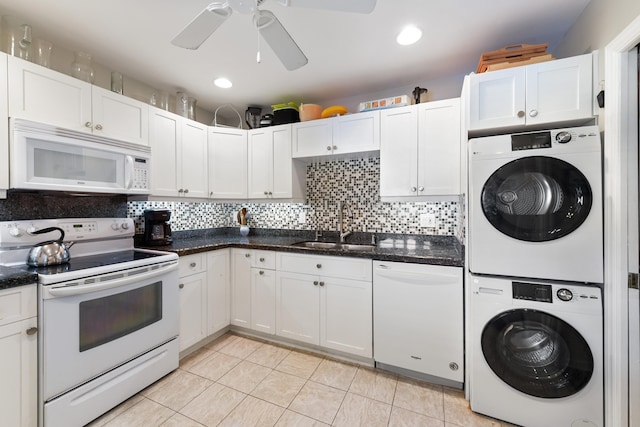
(82, 67)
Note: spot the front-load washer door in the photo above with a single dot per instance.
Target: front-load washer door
(537, 353)
(536, 199)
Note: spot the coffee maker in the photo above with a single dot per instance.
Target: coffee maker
(157, 230)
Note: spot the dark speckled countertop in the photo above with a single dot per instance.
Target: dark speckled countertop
(12, 277)
(420, 249)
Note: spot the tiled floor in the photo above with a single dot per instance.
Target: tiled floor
(236, 381)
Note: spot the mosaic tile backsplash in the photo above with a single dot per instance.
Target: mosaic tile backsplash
(354, 182)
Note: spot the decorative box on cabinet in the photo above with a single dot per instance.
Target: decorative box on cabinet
(227, 163)
(42, 95)
(559, 91)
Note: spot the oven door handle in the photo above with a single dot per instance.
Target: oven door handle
(66, 291)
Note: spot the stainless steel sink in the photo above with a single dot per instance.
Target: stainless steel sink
(335, 246)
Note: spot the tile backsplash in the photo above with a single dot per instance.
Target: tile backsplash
(354, 182)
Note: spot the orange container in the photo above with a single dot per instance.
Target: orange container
(310, 112)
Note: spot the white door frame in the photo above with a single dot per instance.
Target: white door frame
(616, 140)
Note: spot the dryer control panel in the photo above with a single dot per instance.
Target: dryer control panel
(532, 292)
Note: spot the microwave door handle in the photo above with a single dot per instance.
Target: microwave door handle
(66, 291)
(128, 172)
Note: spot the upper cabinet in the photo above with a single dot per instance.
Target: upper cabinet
(342, 135)
(420, 150)
(559, 91)
(42, 95)
(272, 173)
(227, 163)
(179, 148)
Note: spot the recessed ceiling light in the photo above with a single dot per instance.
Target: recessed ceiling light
(409, 35)
(223, 83)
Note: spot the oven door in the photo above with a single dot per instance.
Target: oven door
(93, 325)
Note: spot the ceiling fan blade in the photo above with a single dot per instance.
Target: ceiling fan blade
(202, 26)
(279, 40)
(356, 6)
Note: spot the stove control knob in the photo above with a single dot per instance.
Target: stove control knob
(125, 226)
(115, 226)
(15, 232)
(565, 294)
(563, 137)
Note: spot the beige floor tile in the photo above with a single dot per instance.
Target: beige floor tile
(213, 405)
(268, 355)
(179, 420)
(374, 385)
(241, 347)
(195, 358)
(318, 401)
(293, 419)
(405, 418)
(299, 364)
(215, 366)
(223, 341)
(102, 420)
(245, 376)
(279, 388)
(143, 414)
(253, 412)
(177, 389)
(458, 411)
(361, 411)
(423, 398)
(335, 374)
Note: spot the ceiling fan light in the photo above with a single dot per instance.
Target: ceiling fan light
(223, 83)
(409, 35)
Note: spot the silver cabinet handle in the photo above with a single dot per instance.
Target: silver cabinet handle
(421, 188)
(32, 331)
(328, 148)
(315, 283)
(520, 114)
(88, 124)
(533, 113)
(98, 127)
(261, 272)
(181, 190)
(265, 193)
(261, 259)
(211, 194)
(413, 189)
(335, 147)
(186, 190)
(247, 255)
(192, 265)
(181, 285)
(321, 283)
(270, 193)
(318, 265)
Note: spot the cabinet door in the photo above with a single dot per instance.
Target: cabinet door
(260, 163)
(346, 320)
(165, 131)
(263, 300)
(193, 309)
(313, 138)
(4, 125)
(283, 173)
(298, 307)
(119, 117)
(227, 163)
(241, 288)
(193, 165)
(399, 152)
(560, 90)
(439, 148)
(18, 370)
(497, 99)
(218, 292)
(43, 95)
(356, 133)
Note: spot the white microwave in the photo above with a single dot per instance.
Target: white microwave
(44, 157)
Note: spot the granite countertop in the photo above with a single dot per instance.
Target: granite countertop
(420, 249)
(12, 277)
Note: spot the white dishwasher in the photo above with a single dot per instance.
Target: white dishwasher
(418, 320)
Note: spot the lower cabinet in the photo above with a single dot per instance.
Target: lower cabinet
(218, 291)
(19, 354)
(241, 287)
(263, 292)
(193, 299)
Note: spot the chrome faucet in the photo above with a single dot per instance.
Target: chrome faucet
(343, 235)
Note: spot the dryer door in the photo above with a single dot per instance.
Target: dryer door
(536, 198)
(537, 353)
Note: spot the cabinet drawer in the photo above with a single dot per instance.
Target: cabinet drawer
(192, 264)
(18, 303)
(264, 259)
(331, 266)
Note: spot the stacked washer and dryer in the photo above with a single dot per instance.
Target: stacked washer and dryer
(536, 267)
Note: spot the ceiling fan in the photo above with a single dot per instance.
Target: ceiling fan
(272, 31)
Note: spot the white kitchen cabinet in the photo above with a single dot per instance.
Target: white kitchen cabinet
(193, 299)
(218, 290)
(272, 172)
(342, 135)
(19, 350)
(4, 127)
(420, 150)
(227, 163)
(331, 309)
(548, 92)
(179, 148)
(263, 292)
(42, 95)
(418, 318)
(241, 287)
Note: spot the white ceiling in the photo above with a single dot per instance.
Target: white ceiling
(349, 54)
